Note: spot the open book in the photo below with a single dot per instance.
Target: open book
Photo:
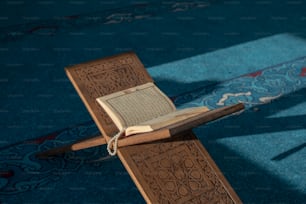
(144, 108)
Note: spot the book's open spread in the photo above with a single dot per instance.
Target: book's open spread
(144, 108)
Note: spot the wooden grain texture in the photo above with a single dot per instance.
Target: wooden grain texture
(175, 170)
(144, 137)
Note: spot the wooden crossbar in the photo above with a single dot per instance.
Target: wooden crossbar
(150, 136)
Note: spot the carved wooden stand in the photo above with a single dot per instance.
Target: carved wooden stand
(167, 166)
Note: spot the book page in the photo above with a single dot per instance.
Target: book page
(174, 117)
(136, 105)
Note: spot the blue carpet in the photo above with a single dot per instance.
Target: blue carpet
(32, 62)
(194, 50)
(270, 134)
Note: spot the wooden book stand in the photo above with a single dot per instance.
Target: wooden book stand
(168, 165)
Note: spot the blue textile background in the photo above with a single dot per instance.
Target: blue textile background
(195, 51)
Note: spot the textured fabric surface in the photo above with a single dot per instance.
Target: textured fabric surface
(184, 46)
(196, 52)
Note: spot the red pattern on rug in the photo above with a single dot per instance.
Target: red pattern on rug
(254, 74)
(303, 72)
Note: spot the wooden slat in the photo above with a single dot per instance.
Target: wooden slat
(99, 140)
(78, 145)
(175, 170)
(205, 118)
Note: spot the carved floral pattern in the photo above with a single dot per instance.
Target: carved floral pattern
(178, 172)
(102, 77)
